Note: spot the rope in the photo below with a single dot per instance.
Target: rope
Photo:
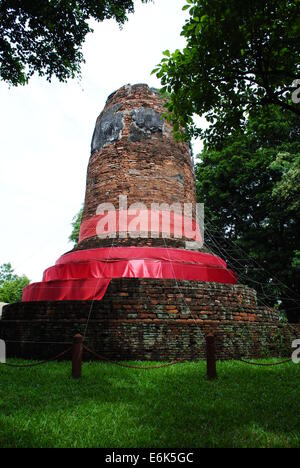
(240, 269)
(34, 364)
(169, 364)
(264, 364)
(253, 260)
(180, 291)
(245, 361)
(91, 308)
(103, 358)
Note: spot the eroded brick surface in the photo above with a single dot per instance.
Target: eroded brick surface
(134, 154)
(152, 319)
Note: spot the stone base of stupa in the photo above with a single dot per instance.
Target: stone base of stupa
(150, 319)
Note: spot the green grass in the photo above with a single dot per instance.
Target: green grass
(173, 407)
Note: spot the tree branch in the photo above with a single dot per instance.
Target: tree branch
(284, 105)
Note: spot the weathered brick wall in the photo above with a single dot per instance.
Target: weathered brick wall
(151, 319)
(134, 153)
(94, 242)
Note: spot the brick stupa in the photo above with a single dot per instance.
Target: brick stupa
(132, 294)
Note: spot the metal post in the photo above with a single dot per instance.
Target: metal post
(2, 352)
(211, 356)
(77, 356)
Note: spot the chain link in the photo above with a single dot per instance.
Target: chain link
(34, 364)
(103, 358)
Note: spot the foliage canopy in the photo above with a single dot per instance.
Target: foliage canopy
(76, 222)
(46, 36)
(252, 205)
(11, 285)
(240, 55)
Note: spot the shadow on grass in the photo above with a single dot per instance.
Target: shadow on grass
(173, 407)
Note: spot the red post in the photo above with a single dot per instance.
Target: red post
(211, 356)
(77, 356)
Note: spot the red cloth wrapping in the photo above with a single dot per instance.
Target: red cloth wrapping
(85, 274)
(66, 290)
(140, 221)
(142, 253)
(138, 269)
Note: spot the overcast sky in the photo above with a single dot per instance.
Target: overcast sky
(46, 130)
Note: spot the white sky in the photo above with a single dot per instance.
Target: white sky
(46, 130)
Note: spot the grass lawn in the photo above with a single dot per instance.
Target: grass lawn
(173, 407)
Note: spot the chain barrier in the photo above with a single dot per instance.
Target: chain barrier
(103, 358)
(246, 361)
(34, 364)
(128, 366)
(264, 364)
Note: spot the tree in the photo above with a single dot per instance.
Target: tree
(46, 36)
(288, 188)
(247, 219)
(240, 55)
(11, 285)
(76, 222)
(6, 273)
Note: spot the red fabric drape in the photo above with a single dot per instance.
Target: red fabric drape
(140, 221)
(66, 290)
(138, 269)
(142, 253)
(85, 274)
